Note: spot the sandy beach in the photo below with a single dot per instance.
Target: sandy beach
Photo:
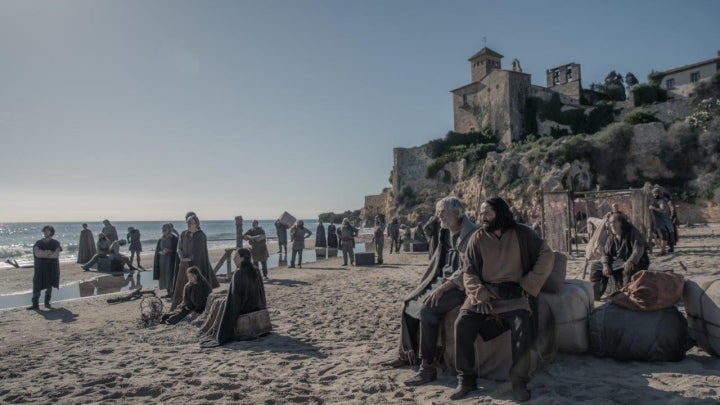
(333, 326)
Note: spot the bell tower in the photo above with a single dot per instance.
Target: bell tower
(483, 62)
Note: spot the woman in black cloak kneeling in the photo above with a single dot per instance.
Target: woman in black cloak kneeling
(246, 295)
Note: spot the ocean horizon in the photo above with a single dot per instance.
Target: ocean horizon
(18, 238)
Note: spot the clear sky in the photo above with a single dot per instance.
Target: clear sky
(142, 110)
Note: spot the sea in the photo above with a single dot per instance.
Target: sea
(18, 238)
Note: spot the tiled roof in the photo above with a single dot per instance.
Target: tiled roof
(486, 51)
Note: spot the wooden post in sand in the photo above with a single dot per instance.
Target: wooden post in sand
(238, 231)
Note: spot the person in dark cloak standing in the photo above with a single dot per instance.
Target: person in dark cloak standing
(281, 230)
(165, 261)
(86, 246)
(245, 295)
(192, 251)
(46, 253)
(135, 245)
(320, 241)
(332, 239)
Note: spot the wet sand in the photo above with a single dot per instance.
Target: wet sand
(333, 326)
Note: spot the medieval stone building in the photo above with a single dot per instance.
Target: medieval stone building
(495, 98)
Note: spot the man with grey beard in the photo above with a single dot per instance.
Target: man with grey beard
(439, 292)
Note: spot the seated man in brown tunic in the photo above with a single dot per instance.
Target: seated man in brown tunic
(504, 268)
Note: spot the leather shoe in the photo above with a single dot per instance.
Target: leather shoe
(520, 392)
(461, 391)
(397, 363)
(421, 378)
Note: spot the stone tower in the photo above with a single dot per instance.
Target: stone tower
(566, 80)
(483, 62)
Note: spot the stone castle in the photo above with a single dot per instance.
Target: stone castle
(496, 99)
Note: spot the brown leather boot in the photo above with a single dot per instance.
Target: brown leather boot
(461, 391)
(427, 374)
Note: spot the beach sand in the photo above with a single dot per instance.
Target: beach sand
(333, 326)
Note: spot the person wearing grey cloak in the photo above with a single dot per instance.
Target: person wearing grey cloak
(393, 232)
(86, 246)
(246, 294)
(624, 254)
(258, 242)
(110, 231)
(662, 222)
(346, 234)
(46, 252)
(332, 239)
(165, 261)
(440, 291)
(298, 233)
(192, 251)
(320, 241)
(281, 230)
(379, 238)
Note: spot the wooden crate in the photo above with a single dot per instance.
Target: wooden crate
(364, 259)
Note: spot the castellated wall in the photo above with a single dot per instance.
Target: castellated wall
(377, 204)
(546, 94)
(409, 168)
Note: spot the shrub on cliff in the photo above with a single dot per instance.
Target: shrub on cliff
(438, 147)
(648, 93)
(471, 147)
(640, 116)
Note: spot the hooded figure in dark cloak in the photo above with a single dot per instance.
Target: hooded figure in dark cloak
(86, 246)
(332, 239)
(320, 236)
(165, 261)
(245, 295)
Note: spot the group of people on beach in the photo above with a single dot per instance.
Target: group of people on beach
(107, 248)
(493, 271)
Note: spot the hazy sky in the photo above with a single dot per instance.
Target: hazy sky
(141, 110)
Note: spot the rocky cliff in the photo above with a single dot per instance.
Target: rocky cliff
(680, 150)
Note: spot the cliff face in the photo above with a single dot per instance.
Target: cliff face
(681, 158)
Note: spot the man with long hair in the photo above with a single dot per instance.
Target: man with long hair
(624, 254)
(504, 268)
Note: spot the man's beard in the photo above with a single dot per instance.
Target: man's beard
(491, 226)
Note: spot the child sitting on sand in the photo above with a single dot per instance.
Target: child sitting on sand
(195, 296)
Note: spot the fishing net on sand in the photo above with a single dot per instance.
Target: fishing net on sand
(151, 309)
